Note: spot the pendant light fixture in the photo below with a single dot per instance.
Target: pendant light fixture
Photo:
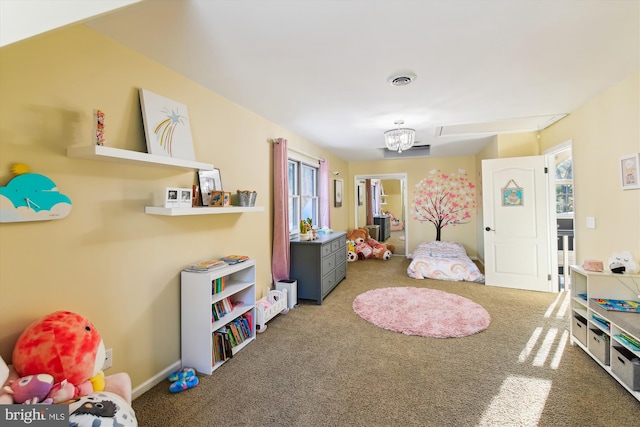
(399, 139)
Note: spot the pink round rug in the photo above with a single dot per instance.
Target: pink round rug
(421, 311)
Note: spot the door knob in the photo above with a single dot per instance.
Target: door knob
(488, 229)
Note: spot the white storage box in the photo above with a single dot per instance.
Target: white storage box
(599, 345)
(626, 366)
(579, 328)
(292, 291)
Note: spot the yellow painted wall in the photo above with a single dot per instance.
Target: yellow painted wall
(393, 199)
(108, 260)
(602, 131)
(517, 144)
(417, 169)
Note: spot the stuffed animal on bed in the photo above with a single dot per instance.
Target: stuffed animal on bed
(65, 345)
(30, 389)
(68, 347)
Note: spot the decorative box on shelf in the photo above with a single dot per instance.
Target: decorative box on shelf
(220, 198)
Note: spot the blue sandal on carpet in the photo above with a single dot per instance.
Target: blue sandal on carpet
(184, 384)
(182, 374)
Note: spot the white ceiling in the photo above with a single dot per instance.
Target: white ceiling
(320, 68)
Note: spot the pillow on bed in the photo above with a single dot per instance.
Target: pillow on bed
(439, 249)
(101, 409)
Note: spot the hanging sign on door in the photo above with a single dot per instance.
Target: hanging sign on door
(512, 194)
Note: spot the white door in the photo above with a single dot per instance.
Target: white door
(519, 224)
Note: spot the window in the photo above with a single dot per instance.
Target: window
(303, 194)
(564, 187)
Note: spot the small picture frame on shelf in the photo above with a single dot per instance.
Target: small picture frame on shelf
(185, 198)
(209, 181)
(630, 171)
(172, 197)
(195, 195)
(220, 198)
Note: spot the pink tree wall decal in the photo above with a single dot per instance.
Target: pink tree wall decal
(444, 199)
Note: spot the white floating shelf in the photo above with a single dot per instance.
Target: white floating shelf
(204, 210)
(110, 154)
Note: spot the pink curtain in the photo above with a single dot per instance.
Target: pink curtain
(280, 260)
(325, 194)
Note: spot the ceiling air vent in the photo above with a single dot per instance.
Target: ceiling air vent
(401, 79)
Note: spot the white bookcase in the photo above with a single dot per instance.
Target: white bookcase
(197, 300)
(601, 341)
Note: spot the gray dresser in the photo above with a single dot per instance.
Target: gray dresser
(318, 265)
(385, 226)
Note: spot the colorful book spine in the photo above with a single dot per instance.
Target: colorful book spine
(217, 285)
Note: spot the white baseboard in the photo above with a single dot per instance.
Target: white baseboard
(155, 380)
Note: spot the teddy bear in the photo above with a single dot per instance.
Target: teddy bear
(366, 247)
(380, 250)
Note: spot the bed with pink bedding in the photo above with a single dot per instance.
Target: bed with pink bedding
(443, 261)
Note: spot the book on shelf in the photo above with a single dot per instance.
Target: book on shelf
(206, 266)
(631, 342)
(225, 346)
(234, 259)
(217, 285)
(601, 321)
(618, 304)
(249, 318)
(221, 308)
(244, 325)
(236, 333)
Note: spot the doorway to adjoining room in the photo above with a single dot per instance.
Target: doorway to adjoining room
(380, 202)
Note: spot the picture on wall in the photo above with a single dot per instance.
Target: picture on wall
(630, 171)
(167, 127)
(337, 193)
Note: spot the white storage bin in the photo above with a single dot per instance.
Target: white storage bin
(292, 291)
(599, 345)
(579, 328)
(626, 366)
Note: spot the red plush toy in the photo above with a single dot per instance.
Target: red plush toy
(63, 344)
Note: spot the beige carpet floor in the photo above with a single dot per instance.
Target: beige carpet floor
(322, 365)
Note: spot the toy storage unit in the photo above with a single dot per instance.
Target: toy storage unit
(607, 335)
